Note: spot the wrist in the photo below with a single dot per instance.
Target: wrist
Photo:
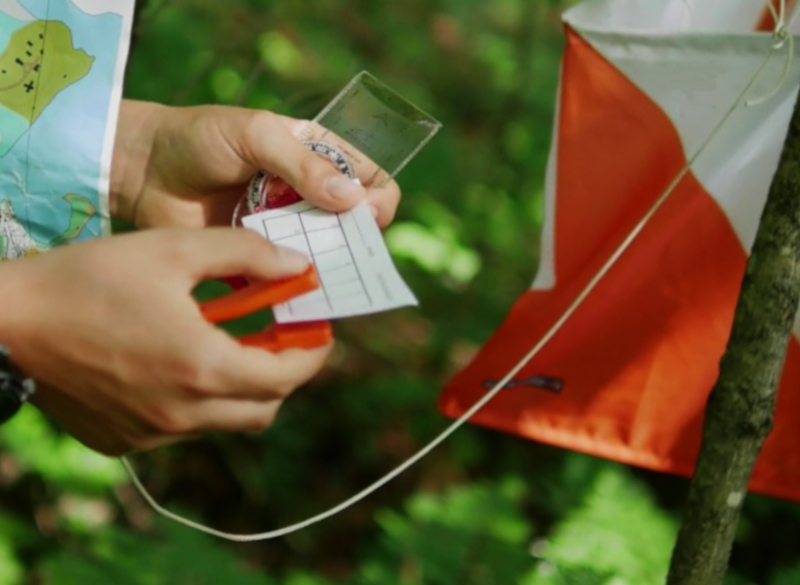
(16, 387)
(17, 296)
(137, 127)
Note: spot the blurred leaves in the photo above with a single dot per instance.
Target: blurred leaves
(476, 534)
(280, 54)
(10, 568)
(177, 556)
(58, 458)
(787, 575)
(436, 250)
(617, 536)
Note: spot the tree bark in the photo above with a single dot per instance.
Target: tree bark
(740, 409)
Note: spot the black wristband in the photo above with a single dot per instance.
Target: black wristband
(15, 388)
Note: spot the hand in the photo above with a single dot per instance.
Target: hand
(122, 356)
(191, 166)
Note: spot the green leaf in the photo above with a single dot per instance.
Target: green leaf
(226, 83)
(477, 530)
(59, 458)
(11, 571)
(280, 53)
(436, 251)
(180, 556)
(789, 575)
(619, 535)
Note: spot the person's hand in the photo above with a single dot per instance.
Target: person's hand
(121, 354)
(191, 166)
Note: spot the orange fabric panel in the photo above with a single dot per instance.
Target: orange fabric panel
(640, 357)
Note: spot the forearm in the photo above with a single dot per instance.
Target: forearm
(17, 297)
(137, 125)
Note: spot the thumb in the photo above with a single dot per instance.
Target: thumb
(266, 142)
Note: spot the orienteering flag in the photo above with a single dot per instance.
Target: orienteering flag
(644, 84)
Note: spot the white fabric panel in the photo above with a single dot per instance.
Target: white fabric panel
(702, 15)
(695, 78)
(620, 15)
(546, 275)
(670, 16)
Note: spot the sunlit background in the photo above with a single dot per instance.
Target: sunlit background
(484, 509)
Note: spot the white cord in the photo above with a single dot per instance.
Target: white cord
(782, 37)
(497, 388)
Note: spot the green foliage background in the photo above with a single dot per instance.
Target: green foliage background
(485, 508)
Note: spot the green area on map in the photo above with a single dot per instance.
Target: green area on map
(38, 63)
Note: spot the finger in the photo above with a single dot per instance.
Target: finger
(152, 441)
(295, 125)
(384, 201)
(251, 373)
(383, 193)
(265, 141)
(233, 416)
(221, 252)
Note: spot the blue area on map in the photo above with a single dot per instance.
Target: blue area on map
(7, 26)
(62, 151)
(12, 126)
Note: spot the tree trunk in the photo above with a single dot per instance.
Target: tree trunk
(741, 406)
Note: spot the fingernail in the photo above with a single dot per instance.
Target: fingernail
(292, 259)
(341, 187)
(374, 211)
